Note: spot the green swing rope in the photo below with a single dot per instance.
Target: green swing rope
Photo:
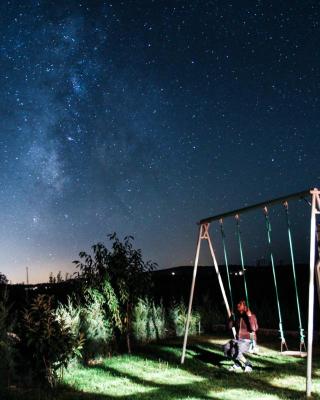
(227, 264)
(241, 257)
(301, 330)
(268, 226)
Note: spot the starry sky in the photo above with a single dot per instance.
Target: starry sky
(142, 117)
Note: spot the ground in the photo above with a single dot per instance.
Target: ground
(155, 373)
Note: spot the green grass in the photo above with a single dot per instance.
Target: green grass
(155, 373)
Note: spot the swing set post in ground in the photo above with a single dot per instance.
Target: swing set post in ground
(315, 210)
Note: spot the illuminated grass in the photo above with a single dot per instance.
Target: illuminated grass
(155, 373)
(127, 376)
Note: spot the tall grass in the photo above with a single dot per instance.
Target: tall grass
(149, 321)
(96, 327)
(178, 319)
(90, 322)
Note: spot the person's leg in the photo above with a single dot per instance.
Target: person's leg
(244, 347)
(231, 351)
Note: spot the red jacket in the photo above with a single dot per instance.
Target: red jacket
(244, 326)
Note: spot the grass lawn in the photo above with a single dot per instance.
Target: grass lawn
(155, 373)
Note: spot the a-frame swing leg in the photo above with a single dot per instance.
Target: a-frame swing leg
(318, 279)
(283, 345)
(200, 237)
(223, 292)
(203, 235)
(317, 268)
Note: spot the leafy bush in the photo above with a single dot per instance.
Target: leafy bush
(149, 321)
(6, 348)
(89, 322)
(96, 328)
(70, 316)
(3, 279)
(178, 319)
(47, 342)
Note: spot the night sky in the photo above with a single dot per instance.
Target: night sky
(142, 117)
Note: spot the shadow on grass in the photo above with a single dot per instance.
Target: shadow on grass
(205, 361)
(209, 361)
(156, 390)
(194, 390)
(212, 355)
(257, 382)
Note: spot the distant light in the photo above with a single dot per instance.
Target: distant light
(173, 273)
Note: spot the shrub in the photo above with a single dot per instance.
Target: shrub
(178, 319)
(149, 321)
(97, 329)
(47, 342)
(70, 315)
(89, 322)
(6, 348)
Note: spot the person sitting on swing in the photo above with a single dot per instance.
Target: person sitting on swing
(246, 325)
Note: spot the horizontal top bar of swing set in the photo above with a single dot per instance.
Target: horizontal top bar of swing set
(299, 195)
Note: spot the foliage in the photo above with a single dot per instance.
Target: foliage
(70, 315)
(149, 321)
(97, 329)
(112, 303)
(47, 342)
(3, 279)
(178, 319)
(6, 345)
(120, 275)
(88, 321)
(58, 278)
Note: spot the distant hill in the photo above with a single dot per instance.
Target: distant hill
(173, 284)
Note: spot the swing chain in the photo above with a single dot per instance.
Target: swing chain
(238, 233)
(268, 227)
(301, 330)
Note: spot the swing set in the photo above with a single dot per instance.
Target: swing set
(204, 234)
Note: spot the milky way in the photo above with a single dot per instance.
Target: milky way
(143, 117)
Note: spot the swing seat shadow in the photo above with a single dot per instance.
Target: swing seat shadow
(219, 360)
(206, 356)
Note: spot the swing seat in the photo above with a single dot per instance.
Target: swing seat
(294, 353)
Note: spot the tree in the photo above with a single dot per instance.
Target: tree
(121, 275)
(59, 277)
(3, 279)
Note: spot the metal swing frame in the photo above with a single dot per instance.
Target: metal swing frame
(314, 266)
